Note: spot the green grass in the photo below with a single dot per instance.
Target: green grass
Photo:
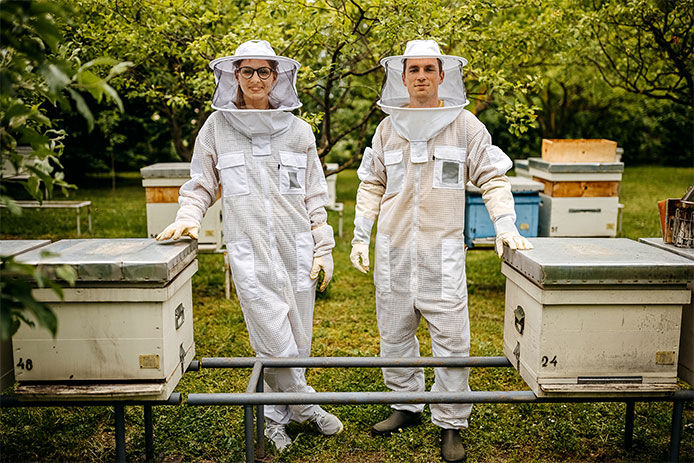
(344, 325)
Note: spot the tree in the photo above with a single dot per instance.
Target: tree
(338, 42)
(38, 70)
(644, 47)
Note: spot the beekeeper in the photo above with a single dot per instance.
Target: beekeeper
(273, 195)
(413, 182)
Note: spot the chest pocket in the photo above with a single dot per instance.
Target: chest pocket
(449, 167)
(395, 170)
(292, 173)
(232, 169)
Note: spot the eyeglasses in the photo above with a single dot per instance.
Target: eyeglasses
(247, 72)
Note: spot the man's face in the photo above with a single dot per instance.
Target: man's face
(422, 77)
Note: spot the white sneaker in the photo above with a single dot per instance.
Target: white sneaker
(327, 423)
(277, 434)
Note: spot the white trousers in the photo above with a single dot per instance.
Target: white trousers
(281, 325)
(398, 315)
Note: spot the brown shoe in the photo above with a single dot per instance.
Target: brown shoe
(397, 421)
(452, 449)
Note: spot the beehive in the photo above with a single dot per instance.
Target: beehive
(479, 230)
(578, 199)
(125, 329)
(594, 316)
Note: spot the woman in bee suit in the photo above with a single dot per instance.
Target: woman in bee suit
(413, 183)
(273, 196)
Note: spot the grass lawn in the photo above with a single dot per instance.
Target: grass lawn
(344, 325)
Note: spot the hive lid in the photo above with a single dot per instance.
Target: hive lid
(10, 248)
(576, 167)
(129, 260)
(598, 261)
(166, 170)
(518, 185)
(658, 243)
(521, 164)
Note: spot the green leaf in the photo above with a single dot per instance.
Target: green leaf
(113, 95)
(55, 77)
(67, 273)
(83, 108)
(101, 61)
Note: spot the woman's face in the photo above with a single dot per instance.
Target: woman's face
(255, 82)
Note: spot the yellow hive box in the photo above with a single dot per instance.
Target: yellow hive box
(579, 150)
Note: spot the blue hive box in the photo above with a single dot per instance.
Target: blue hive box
(479, 230)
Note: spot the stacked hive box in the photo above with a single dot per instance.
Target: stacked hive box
(581, 187)
(125, 330)
(595, 315)
(162, 182)
(12, 248)
(521, 167)
(685, 368)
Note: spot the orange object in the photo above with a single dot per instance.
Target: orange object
(579, 150)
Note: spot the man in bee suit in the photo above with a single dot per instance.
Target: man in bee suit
(273, 195)
(413, 183)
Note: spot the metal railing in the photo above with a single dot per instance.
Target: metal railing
(255, 397)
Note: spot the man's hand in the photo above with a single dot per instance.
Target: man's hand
(514, 241)
(324, 263)
(179, 228)
(360, 257)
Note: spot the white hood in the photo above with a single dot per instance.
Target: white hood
(418, 125)
(257, 124)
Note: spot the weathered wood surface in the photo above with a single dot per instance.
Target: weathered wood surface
(579, 150)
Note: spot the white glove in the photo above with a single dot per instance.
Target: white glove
(514, 241)
(179, 228)
(324, 263)
(360, 257)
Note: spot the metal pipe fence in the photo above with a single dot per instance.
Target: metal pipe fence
(254, 395)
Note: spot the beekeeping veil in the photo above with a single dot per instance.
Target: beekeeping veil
(257, 124)
(417, 125)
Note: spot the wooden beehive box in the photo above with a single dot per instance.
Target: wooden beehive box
(125, 329)
(595, 315)
(579, 150)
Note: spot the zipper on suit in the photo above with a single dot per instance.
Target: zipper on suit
(262, 166)
(415, 227)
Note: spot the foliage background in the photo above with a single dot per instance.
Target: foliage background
(540, 69)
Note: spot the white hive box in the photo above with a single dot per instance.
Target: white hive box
(12, 248)
(578, 216)
(162, 182)
(124, 331)
(594, 316)
(685, 368)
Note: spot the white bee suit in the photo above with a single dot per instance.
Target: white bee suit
(273, 200)
(415, 189)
